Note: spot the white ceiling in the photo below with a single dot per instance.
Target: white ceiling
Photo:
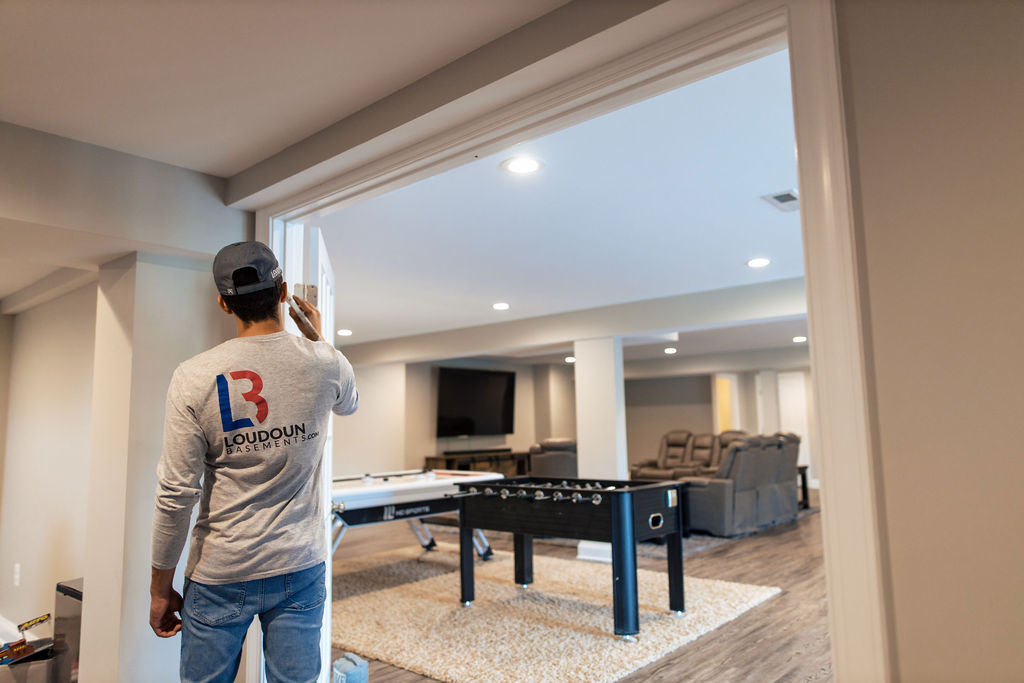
(658, 199)
(219, 86)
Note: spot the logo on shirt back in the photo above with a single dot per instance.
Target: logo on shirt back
(254, 440)
(252, 396)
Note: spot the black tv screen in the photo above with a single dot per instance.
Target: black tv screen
(474, 402)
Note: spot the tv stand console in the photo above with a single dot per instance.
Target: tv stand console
(479, 450)
(502, 460)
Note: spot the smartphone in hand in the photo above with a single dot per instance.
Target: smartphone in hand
(305, 326)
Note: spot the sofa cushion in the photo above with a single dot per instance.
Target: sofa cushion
(703, 450)
(675, 449)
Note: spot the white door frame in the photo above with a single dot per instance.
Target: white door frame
(304, 251)
(861, 628)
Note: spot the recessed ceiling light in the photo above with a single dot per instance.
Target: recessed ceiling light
(799, 340)
(758, 262)
(500, 306)
(344, 333)
(670, 350)
(570, 359)
(521, 165)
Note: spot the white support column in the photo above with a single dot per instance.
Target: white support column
(103, 595)
(143, 304)
(767, 401)
(600, 420)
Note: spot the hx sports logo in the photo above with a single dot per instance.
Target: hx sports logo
(255, 440)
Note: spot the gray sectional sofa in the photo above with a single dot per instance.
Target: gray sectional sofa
(685, 454)
(736, 483)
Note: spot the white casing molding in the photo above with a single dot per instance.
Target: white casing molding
(851, 503)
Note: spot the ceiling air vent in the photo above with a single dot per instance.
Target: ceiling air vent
(787, 200)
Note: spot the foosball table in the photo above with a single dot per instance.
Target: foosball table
(622, 513)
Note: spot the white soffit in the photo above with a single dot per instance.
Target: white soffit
(16, 273)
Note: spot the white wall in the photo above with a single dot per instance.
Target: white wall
(542, 400)
(562, 388)
(933, 94)
(420, 403)
(746, 385)
(6, 336)
(656, 406)
(59, 184)
(43, 497)
(767, 384)
(554, 401)
(523, 419)
(373, 438)
(420, 418)
(794, 410)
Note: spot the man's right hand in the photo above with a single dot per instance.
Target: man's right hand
(163, 614)
(311, 313)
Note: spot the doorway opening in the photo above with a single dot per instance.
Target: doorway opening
(745, 35)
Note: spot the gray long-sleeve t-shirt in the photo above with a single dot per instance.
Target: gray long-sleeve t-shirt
(244, 436)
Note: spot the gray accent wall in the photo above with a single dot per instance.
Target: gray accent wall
(658, 405)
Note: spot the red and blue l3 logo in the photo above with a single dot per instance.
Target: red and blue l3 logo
(252, 396)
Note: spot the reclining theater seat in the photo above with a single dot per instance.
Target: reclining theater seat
(786, 482)
(754, 488)
(726, 504)
(555, 458)
(719, 444)
(673, 459)
(773, 499)
(703, 453)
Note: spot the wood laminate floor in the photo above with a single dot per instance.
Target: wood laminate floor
(784, 639)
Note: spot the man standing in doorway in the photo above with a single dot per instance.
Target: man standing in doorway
(244, 437)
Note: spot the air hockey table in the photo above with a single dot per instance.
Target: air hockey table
(409, 495)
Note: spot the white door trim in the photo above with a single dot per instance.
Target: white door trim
(855, 550)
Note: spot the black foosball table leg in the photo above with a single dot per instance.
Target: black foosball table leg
(676, 599)
(624, 590)
(523, 544)
(466, 565)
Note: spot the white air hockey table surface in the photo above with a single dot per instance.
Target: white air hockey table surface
(410, 495)
(397, 488)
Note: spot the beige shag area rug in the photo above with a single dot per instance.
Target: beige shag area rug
(402, 607)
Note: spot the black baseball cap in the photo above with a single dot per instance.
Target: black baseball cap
(239, 255)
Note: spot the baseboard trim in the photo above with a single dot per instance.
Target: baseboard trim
(594, 551)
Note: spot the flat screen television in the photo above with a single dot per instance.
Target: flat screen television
(475, 402)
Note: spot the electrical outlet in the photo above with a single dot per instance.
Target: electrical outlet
(17, 573)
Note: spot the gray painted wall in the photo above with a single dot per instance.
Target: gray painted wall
(658, 405)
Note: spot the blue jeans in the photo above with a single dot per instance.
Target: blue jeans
(215, 619)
